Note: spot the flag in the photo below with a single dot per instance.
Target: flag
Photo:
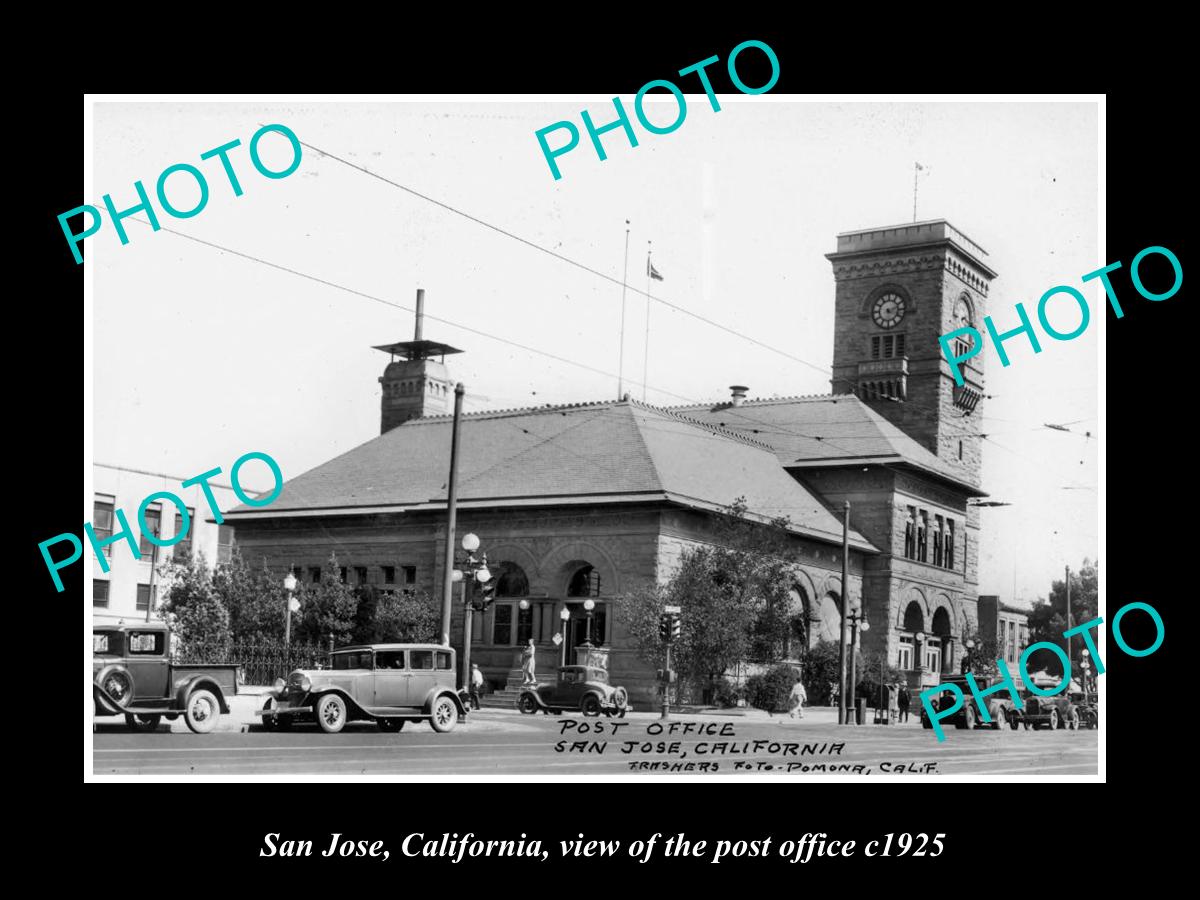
(651, 271)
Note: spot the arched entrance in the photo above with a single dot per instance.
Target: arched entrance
(584, 583)
(829, 624)
(912, 628)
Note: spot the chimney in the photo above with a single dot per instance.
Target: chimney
(739, 393)
(420, 314)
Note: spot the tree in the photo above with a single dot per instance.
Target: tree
(874, 673)
(980, 659)
(256, 599)
(819, 672)
(193, 608)
(326, 608)
(1048, 621)
(391, 616)
(734, 596)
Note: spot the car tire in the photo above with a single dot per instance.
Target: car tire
(142, 723)
(443, 715)
(390, 725)
(1053, 723)
(117, 683)
(330, 711)
(1073, 720)
(1013, 721)
(201, 711)
(590, 705)
(527, 705)
(926, 723)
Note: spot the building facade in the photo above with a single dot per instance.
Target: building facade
(591, 501)
(128, 589)
(1007, 625)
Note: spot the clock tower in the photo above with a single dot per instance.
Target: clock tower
(898, 289)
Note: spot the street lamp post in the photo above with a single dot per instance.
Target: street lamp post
(589, 604)
(470, 569)
(969, 643)
(857, 620)
(289, 585)
(565, 616)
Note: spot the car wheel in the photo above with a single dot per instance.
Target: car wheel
(1053, 723)
(201, 711)
(590, 705)
(444, 715)
(331, 713)
(118, 684)
(391, 725)
(926, 723)
(142, 723)
(1014, 722)
(1073, 720)
(527, 705)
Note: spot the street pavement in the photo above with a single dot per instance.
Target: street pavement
(499, 742)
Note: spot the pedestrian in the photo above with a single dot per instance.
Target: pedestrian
(529, 664)
(796, 702)
(476, 684)
(903, 703)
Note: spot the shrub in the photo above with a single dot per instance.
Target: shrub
(771, 689)
(726, 695)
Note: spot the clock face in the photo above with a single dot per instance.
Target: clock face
(888, 310)
(962, 314)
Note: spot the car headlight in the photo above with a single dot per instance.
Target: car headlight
(280, 684)
(305, 683)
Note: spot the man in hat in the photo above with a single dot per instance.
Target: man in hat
(476, 684)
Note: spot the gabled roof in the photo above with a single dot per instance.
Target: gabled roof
(590, 453)
(828, 430)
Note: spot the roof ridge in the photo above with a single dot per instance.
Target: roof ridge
(766, 401)
(512, 411)
(707, 426)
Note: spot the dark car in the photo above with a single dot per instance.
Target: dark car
(967, 715)
(388, 684)
(583, 688)
(1054, 712)
(133, 676)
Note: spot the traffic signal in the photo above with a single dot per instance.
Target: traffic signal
(487, 596)
(664, 628)
(676, 628)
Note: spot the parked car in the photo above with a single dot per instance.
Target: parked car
(1089, 709)
(388, 684)
(1054, 712)
(967, 716)
(133, 676)
(583, 688)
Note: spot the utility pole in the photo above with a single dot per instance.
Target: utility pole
(1068, 672)
(452, 507)
(845, 612)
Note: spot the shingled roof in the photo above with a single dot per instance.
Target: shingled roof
(609, 452)
(828, 430)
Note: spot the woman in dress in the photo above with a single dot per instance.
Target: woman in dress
(528, 663)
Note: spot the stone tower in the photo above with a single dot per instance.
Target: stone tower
(414, 384)
(898, 289)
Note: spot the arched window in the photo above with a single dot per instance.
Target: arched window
(511, 580)
(584, 583)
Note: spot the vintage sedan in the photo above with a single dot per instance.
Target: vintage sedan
(583, 688)
(388, 684)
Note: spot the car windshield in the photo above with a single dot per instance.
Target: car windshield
(598, 675)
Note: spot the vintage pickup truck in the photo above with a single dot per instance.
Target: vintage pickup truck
(133, 676)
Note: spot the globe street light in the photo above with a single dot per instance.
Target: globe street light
(289, 585)
(470, 542)
(589, 604)
(565, 615)
(857, 620)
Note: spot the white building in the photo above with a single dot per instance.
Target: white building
(126, 590)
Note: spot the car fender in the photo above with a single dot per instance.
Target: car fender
(109, 701)
(184, 689)
(444, 692)
(598, 694)
(353, 707)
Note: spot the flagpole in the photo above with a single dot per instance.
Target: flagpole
(621, 358)
(916, 169)
(646, 361)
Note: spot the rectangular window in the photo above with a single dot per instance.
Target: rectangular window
(389, 574)
(143, 597)
(937, 541)
(923, 537)
(153, 517)
(933, 654)
(298, 572)
(875, 347)
(420, 660)
(904, 661)
(343, 574)
(410, 575)
(100, 593)
(899, 345)
(502, 625)
(183, 550)
(146, 643)
(1012, 642)
(889, 343)
(360, 574)
(443, 660)
(102, 520)
(910, 534)
(314, 574)
(224, 543)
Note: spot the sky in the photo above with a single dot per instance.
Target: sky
(201, 355)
